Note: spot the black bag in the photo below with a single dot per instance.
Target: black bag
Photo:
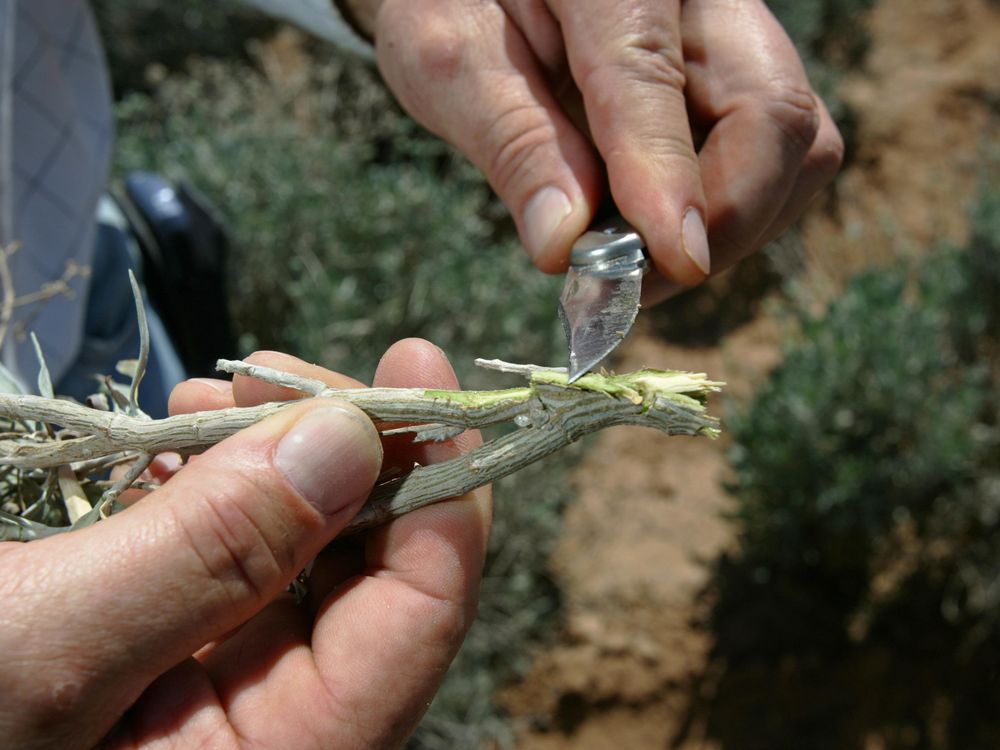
(185, 249)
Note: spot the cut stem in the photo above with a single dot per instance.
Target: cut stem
(548, 413)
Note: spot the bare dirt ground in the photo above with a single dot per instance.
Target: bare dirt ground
(635, 555)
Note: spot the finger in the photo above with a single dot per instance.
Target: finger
(200, 394)
(467, 73)
(418, 363)
(195, 559)
(415, 363)
(409, 363)
(383, 640)
(328, 570)
(630, 70)
(162, 467)
(165, 465)
(819, 169)
(745, 80)
(544, 36)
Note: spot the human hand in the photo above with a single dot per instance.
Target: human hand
(167, 625)
(554, 99)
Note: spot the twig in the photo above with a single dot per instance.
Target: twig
(18, 529)
(309, 386)
(143, 361)
(102, 464)
(74, 498)
(7, 289)
(135, 471)
(549, 413)
(57, 288)
(10, 301)
(527, 370)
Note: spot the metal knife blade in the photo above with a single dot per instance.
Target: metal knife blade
(600, 298)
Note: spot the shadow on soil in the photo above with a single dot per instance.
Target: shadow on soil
(792, 669)
(702, 316)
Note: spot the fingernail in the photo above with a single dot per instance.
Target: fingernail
(695, 240)
(167, 464)
(331, 456)
(542, 216)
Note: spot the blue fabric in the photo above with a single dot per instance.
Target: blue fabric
(56, 130)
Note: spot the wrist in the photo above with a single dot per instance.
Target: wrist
(360, 15)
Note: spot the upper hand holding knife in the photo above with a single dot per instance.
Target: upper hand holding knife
(557, 100)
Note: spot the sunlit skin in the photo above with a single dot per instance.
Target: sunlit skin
(167, 625)
(564, 98)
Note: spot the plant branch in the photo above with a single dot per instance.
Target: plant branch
(548, 413)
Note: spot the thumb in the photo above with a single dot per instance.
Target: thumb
(114, 606)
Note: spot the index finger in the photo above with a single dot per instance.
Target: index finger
(630, 69)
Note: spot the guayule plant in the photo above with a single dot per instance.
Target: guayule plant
(74, 441)
(60, 445)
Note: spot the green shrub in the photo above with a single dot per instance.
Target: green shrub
(139, 34)
(825, 30)
(353, 228)
(867, 482)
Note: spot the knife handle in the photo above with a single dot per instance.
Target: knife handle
(610, 239)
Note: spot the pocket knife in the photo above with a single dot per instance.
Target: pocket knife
(600, 298)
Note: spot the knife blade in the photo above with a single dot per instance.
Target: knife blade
(600, 298)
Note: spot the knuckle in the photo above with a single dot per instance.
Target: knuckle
(670, 152)
(644, 59)
(827, 155)
(439, 53)
(429, 44)
(794, 111)
(515, 139)
(652, 57)
(61, 697)
(673, 147)
(232, 547)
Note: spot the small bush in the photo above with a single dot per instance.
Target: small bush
(353, 228)
(825, 30)
(141, 34)
(868, 493)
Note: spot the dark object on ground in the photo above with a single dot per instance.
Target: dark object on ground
(184, 250)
